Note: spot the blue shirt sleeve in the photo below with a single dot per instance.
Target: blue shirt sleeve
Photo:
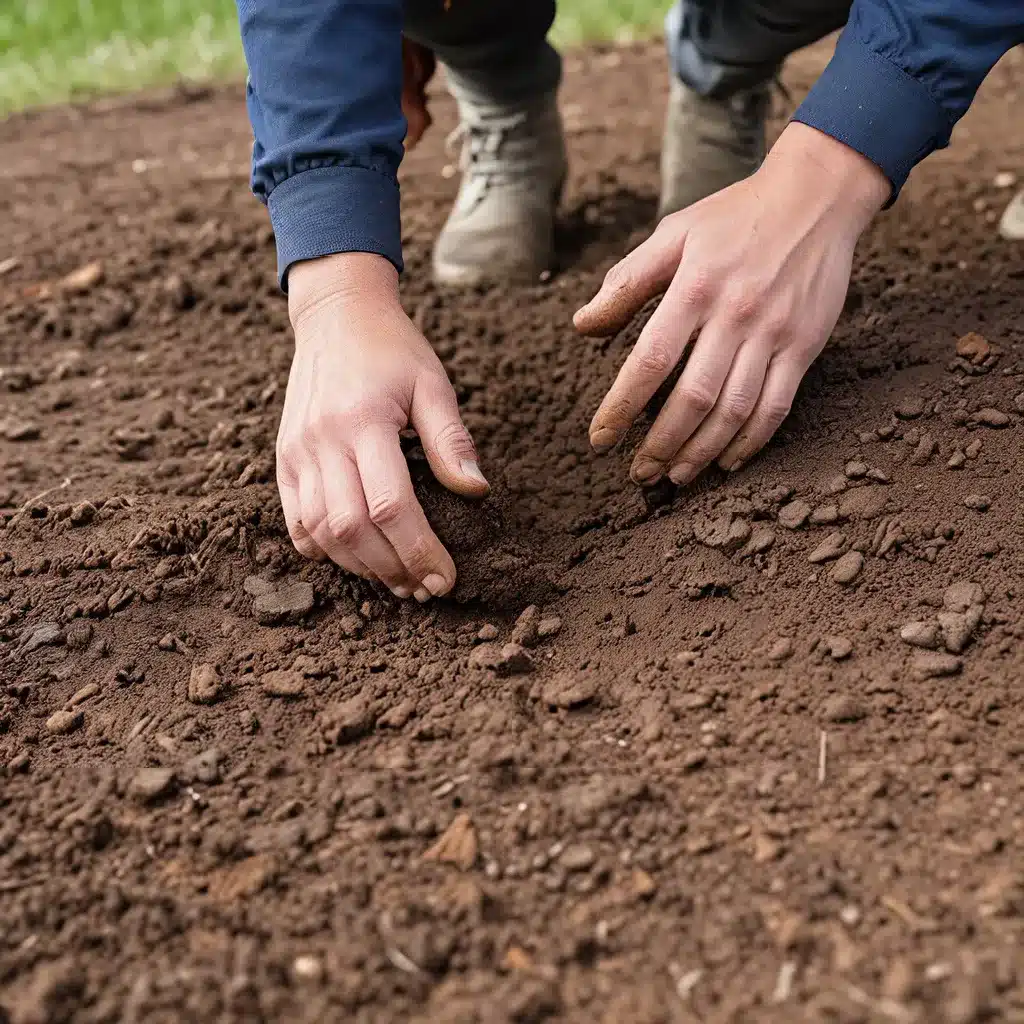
(325, 99)
(905, 71)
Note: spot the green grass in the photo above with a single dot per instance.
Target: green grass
(53, 50)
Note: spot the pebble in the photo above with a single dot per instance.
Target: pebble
(19, 763)
(842, 707)
(84, 279)
(991, 418)
(514, 660)
(308, 968)
(60, 723)
(204, 683)
(348, 721)
(921, 634)
(83, 513)
(487, 655)
(254, 586)
(488, 631)
(761, 540)
(22, 430)
(794, 515)
(569, 690)
(577, 857)
(643, 884)
(458, 844)
(825, 515)
(973, 450)
(351, 625)
(978, 502)
(204, 767)
(863, 503)
(283, 683)
(150, 784)
(83, 694)
(855, 469)
(46, 634)
(549, 626)
(831, 547)
(848, 568)
(525, 631)
(974, 348)
(933, 665)
(956, 460)
(910, 409)
(289, 603)
(960, 596)
(78, 635)
(957, 628)
(839, 647)
(924, 451)
(781, 650)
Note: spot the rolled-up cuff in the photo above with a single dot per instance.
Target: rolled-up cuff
(335, 209)
(867, 102)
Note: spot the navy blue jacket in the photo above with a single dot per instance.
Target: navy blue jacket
(325, 82)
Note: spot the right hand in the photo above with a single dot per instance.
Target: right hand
(362, 372)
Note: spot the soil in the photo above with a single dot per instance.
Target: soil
(752, 751)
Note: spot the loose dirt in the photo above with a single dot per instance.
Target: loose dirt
(753, 754)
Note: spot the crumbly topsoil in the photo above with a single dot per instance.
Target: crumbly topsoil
(756, 753)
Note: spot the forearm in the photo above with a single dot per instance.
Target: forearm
(324, 98)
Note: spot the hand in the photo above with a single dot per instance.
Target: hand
(362, 372)
(759, 273)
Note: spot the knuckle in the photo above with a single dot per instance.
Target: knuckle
(345, 527)
(454, 437)
(385, 508)
(737, 406)
(776, 410)
(699, 288)
(654, 355)
(619, 278)
(418, 557)
(698, 397)
(744, 307)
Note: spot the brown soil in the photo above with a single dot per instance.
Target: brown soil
(710, 783)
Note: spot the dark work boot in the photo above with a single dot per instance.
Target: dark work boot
(710, 144)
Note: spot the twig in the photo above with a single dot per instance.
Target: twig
(822, 757)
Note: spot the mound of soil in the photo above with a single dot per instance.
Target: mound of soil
(746, 752)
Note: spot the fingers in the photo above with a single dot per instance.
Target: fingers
(393, 508)
(734, 406)
(692, 399)
(304, 543)
(446, 441)
(350, 535)
(658, 349)
(773, 405)
(645, 272)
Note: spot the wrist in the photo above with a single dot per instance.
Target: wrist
(340, 280)
(839, 178)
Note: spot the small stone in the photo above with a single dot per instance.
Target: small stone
(957, 628)
(978, 502)
(514, 660)
(694, 761)
(60, 723)
(351, 626)
(974, 348)
(780, 650)
(78, 635)
(863, 503)
(762, 539)
(933, 665)
(973, 450)
(569, 690)
(794, 515)
(966, 775)
(517, 959)
(150, 784)
(525, 631)
(46, 634)
(289, 603)
(83, 279)
(921, 634)
(925, 449)
(20, 763)
(1004, 179)
(307, 968)
(254, 586)
(204, 683)
(848, 568)
(348, 721)
(82, 513)
(855, 469)
(879, 476)
(643, 884)
(991, 418)
(910, 409)
(956, 460)
(204, 767)
(842, 707)
(577, 857)
(831, 547)
(835, 484)
(458, 844)
(486, 655)
(825, 515)
(283, 683)
(488, 631)
(958, 597)
(738, 535)
(22, 430)
(83, 694)
(549, 626)
(839, 647)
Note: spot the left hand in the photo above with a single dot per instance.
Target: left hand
(759, 273)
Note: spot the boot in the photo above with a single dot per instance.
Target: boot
(502, 226)
(710, 144)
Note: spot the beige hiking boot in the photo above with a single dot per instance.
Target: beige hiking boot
(710, 144)
(502, 227)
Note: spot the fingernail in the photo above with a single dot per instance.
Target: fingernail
(603, 440)
(422, 595)
(682, 473)
(436, 584)
(402, 593)
(733, 466)
(647, 472)
(471, 469)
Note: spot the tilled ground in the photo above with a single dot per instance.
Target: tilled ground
(755, 754)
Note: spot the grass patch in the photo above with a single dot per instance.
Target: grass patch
(54, 50)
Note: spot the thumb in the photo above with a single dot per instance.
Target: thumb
(446, 441)
(647, 271)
